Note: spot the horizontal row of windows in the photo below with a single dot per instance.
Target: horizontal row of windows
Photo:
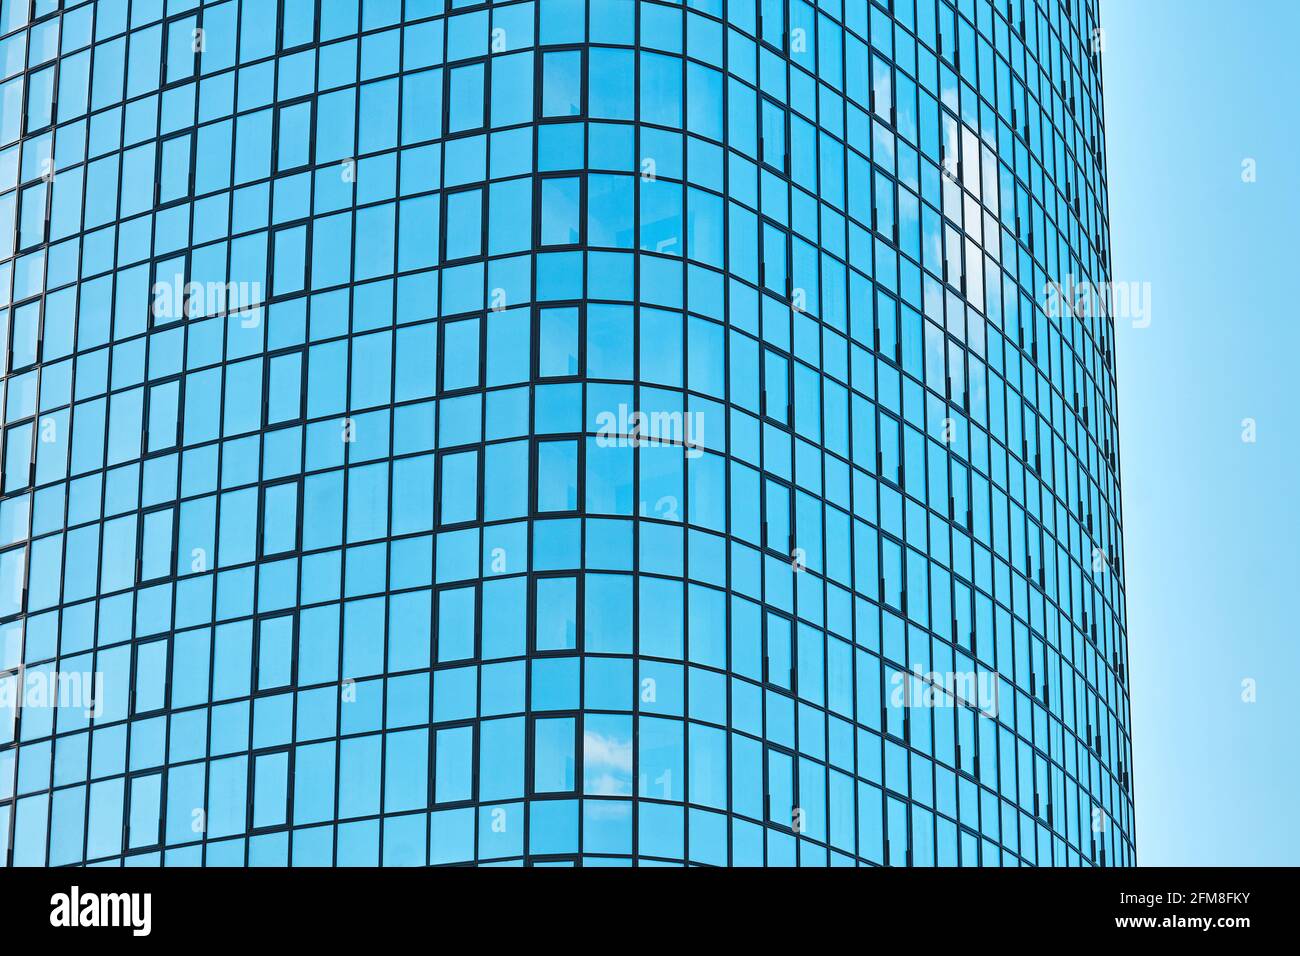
(254, 146)
(64, 215)
(658, 689)
(764, 387)
(418, 493)
(595, 612)
(598, 615)
(891, 701)
(776, 262)
(888, 831)
(273, 393)
(597, 475)
(808, 41)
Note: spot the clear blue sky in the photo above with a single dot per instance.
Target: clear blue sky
(1211, 523)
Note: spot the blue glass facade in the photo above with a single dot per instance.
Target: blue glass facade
(557, 431)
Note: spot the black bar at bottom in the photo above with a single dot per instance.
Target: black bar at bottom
(982, 907)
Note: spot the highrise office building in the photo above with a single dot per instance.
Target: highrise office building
(557, 431)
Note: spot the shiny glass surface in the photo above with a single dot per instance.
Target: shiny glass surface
(557, 431)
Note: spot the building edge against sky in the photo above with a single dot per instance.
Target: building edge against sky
(556, 432)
